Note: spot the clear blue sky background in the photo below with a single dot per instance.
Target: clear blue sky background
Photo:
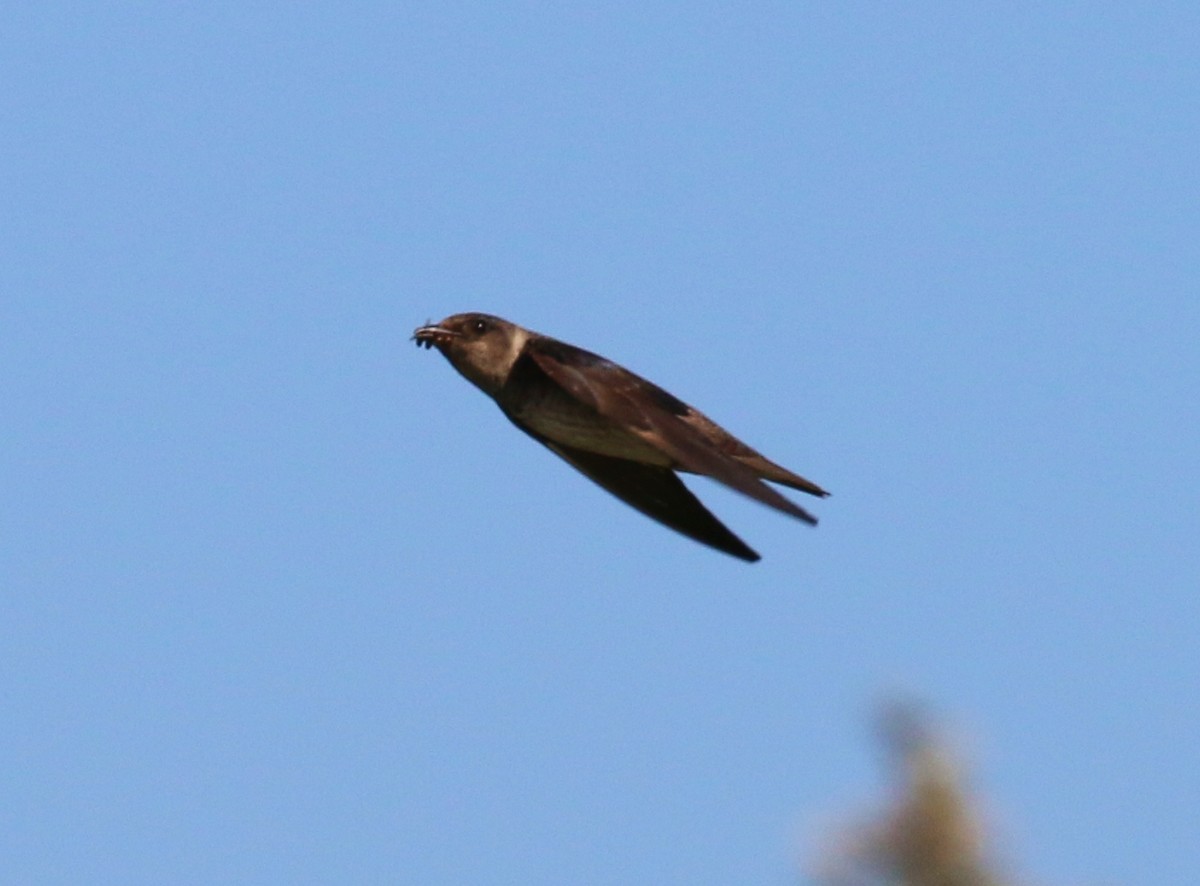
(286, 600)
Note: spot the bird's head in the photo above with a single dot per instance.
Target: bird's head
(481, 347)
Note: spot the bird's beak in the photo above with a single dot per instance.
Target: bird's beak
(433, 335)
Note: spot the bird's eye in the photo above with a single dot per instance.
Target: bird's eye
(479, 327)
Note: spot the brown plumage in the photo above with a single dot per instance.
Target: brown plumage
(623, 432)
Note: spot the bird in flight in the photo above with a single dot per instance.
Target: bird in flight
(622, 432)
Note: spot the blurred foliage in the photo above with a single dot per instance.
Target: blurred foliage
(930, 834)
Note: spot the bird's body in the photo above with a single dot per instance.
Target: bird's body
(623, 432)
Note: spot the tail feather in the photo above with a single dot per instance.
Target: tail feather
(768, 470)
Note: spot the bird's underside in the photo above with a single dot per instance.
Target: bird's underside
(655, 491)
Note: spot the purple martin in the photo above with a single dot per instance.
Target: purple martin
(624, 433)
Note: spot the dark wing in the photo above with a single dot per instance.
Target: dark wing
(652, 414)
(655, 491)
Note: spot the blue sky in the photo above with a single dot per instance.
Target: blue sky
(286, 600)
